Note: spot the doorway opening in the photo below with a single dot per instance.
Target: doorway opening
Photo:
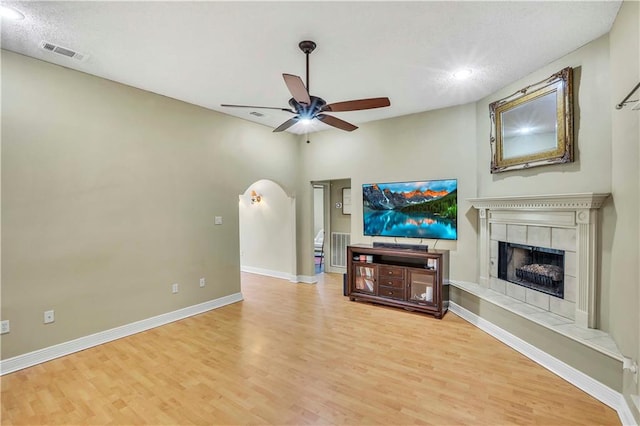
(319, 228)
(332, 215)
(267, 230)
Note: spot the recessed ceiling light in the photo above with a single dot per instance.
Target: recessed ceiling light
(10, 13)
(463, 74)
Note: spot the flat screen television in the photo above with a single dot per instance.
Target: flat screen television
(425, 209)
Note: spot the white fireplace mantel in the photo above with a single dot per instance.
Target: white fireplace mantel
(573, 217)
(588, 200)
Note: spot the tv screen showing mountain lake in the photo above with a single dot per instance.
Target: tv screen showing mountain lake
(426, 209)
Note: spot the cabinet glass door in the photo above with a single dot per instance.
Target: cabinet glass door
(365, 278)
(422, 287)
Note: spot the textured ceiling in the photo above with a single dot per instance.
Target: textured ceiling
(208, 53)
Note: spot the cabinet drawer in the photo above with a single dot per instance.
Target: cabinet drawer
(391, 292)
(390, 272)
(391, 282)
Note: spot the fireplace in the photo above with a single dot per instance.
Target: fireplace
(537, 268)
(567, 223)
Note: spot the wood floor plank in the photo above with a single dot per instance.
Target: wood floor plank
(294, 354)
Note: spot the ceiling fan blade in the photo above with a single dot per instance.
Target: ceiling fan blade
(284, 126)
(260, 107)
(358, 104)
(297, 89)
(336, 122)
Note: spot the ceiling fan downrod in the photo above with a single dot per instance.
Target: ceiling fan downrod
(307, 46)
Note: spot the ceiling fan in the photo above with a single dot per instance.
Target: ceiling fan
(308, 107)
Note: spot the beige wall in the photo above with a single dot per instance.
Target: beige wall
(432, 145)
(108, 197)
(318, 209)
(339, 222)
(623, 279)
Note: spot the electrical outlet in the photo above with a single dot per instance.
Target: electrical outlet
(4, 327)
(217, 220)
(174, 288)
(202, 282)
(49, 317)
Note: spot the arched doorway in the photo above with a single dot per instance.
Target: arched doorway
(267, 230)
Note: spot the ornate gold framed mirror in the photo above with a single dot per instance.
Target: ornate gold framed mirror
(534, 126)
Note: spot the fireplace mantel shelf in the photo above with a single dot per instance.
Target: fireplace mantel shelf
(586, 200)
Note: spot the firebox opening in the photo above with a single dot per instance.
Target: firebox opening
(538, 268)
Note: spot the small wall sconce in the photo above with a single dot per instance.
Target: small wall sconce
(255, 198)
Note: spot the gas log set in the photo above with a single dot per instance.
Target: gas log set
(538, 268)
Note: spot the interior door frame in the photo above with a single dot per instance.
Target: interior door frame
(326, 219)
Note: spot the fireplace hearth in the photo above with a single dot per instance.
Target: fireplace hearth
(537, 268)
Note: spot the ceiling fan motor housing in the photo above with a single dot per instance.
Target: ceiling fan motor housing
(308, 111)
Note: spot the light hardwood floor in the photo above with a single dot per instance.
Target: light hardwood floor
(293, 354)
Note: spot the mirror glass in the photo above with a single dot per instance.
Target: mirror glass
(533, 126)
(530, 128)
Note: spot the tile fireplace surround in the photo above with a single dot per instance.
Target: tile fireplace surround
(566, 222)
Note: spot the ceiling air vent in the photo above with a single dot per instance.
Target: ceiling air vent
(62, 51)
(256, 113)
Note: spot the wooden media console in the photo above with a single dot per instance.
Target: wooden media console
(415, 280)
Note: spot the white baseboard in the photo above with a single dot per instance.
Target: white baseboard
(625, 414)
(601, 392)
(269, 273)
(306, 279)
(30, 359)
